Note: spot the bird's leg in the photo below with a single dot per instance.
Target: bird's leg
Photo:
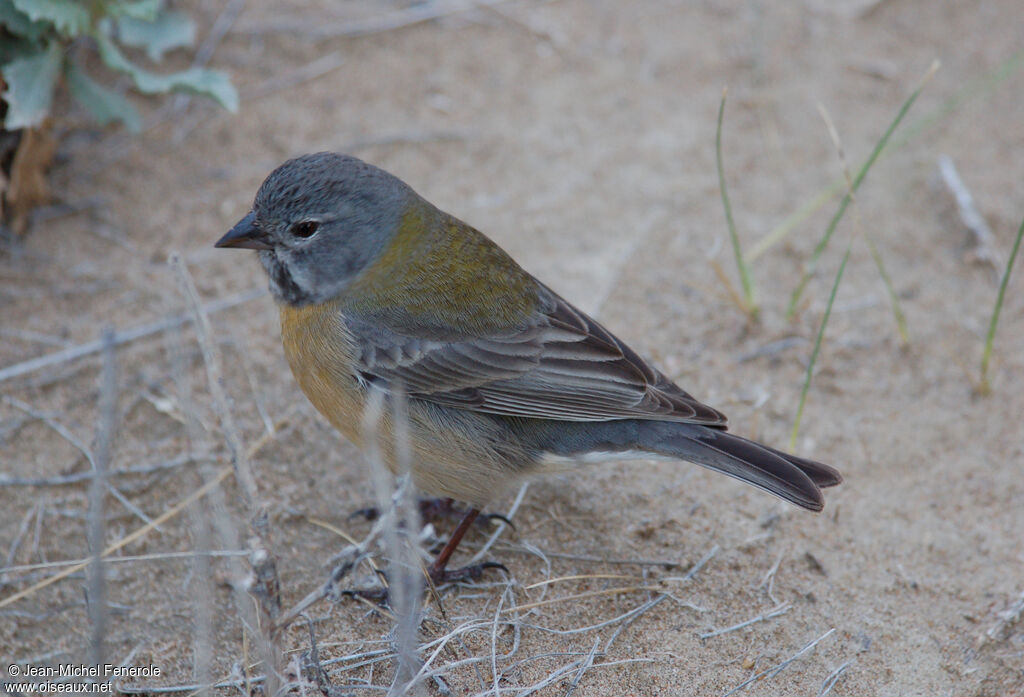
(438, 571)
(439, 565)
(434, 509)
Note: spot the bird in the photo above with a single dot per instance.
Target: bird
(380, 291)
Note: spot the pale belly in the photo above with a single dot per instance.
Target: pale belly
(449, 455)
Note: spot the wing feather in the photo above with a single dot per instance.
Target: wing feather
(563, 365)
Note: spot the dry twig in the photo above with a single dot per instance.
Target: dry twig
(124, 337)
(107, 423)
(772, 672)
(264, 586)
(984, 241)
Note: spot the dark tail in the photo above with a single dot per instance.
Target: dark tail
(793, 478)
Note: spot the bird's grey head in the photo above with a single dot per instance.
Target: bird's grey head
(318, 221)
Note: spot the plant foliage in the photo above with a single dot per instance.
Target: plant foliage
(39, 42)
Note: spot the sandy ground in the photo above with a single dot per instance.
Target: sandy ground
(580, 136)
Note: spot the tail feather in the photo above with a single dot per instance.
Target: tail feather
(792, 478)
(821, 474)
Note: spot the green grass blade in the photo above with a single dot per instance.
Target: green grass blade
(894, 301)
(879, 147)
(748, 287)
(989, 82)
(800, 215)
(817, 347)
(984, 387)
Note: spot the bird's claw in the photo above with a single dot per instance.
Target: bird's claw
(434, 509)
(438, 578)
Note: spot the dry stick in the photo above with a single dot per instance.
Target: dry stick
(578, 577)
(124, 337)
(984, 240)
(494, 644)
(406, 577)
(77, 443)
(357, 552)
(695, 569)
(415, 14)
(513, 509)
(632, 616)
(833, 678)
(509, 595)
(203, 605)
(8, 480)
(768, 582)
(468, 626)
(12, 551)
(261, 409)
(590, 594)
(441, 643)
(552, 677)
(33, 337)
(771, 348)
(207, 519)
(774, 612)
(155, 556)
(560, 672)
(97, 593)
(772, 672)
(587, 663)
(1007, 618)
(664, 563)
(265, 586)
(126, 540)
(211, 357)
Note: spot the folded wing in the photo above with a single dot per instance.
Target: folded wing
(563, 365)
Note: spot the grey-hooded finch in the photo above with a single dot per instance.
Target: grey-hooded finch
(378, 288)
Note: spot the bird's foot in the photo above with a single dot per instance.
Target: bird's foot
(439, 578)
(377, 596)
(433, 510)
(473, 572)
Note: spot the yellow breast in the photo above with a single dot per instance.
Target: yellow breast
(321, 354)
(452, 453)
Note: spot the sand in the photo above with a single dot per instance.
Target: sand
(580, 136)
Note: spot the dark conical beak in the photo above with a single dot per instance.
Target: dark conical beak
(245, 235)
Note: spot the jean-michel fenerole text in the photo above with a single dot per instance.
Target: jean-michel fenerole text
(79, 670)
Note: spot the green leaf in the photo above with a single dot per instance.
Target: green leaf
(69, 17)
(12, 49)
(104, 104)
(208, 83)
(18, 23)
(168, 31)
(30, 83)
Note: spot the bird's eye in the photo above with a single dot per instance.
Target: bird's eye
(305, 228)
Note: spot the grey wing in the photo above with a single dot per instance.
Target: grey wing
(564, 365)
